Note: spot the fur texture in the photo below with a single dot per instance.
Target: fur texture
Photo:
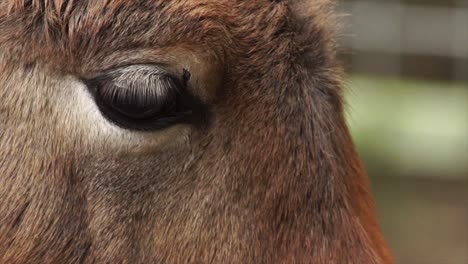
(272, 177)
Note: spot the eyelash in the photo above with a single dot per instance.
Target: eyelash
(144, 98)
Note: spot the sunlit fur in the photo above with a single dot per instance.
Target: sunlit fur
(271, 177)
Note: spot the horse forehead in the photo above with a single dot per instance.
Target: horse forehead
(65, 11)
(80, 30)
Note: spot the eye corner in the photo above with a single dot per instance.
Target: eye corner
(186, 76)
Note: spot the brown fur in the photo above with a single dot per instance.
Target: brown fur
(273, 177)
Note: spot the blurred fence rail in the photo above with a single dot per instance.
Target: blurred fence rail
(422, 39)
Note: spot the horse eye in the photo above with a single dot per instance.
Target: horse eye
(142, 97)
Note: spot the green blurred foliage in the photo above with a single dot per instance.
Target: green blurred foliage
(419, 127)
(413, 138)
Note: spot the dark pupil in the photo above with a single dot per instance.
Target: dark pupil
(135, 109)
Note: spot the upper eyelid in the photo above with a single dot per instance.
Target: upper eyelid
(107, 72)
(132, 73)
(135, 69)
(127, 77)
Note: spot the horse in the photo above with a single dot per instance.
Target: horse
(178, 131)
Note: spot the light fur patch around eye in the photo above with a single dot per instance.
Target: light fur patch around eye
(86, 120)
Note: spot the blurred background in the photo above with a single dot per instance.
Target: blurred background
(407, 63)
